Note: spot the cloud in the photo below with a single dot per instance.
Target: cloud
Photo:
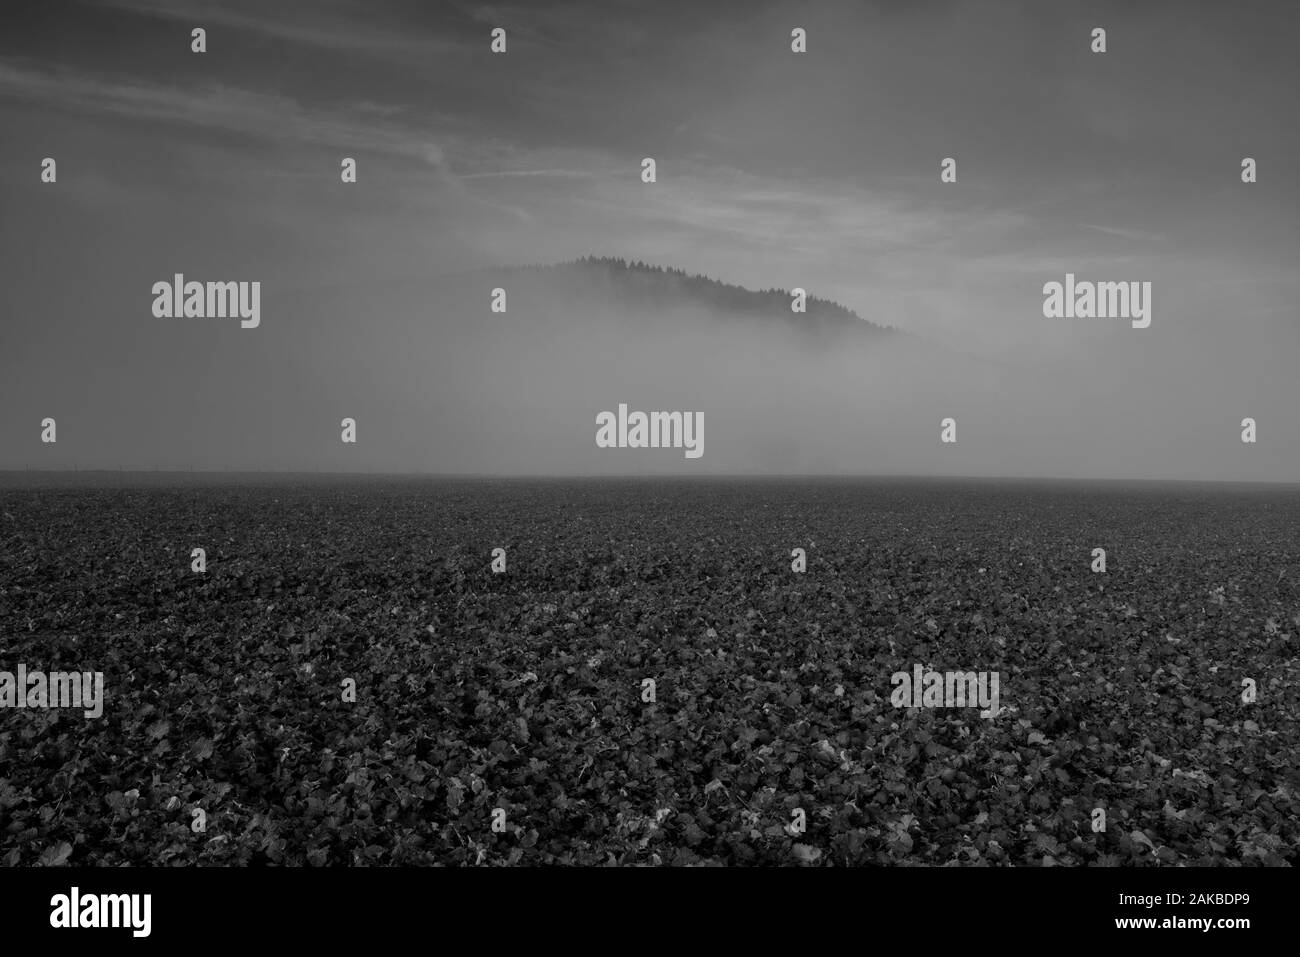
(211, 106)
(1134, 234)
(328, 24)
(511, 173)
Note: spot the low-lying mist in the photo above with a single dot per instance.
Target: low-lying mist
(438, 382)
(519, 392)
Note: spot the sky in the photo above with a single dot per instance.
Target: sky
(818, 170)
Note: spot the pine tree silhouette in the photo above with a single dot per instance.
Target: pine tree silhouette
(675, 283)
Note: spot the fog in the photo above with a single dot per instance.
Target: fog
(437, 382)
(519, 392)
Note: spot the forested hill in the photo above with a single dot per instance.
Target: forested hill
(660, 287)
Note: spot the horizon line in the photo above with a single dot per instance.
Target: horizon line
(648, 476)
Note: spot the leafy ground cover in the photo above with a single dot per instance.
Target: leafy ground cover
(523, 691)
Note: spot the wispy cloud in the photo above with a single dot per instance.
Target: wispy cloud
(328, 24)
(248, 113)
(1137, 235)
(512, 173)
(265, 118)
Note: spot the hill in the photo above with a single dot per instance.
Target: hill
(653, 287)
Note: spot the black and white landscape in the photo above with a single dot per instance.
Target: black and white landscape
(622, 432)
